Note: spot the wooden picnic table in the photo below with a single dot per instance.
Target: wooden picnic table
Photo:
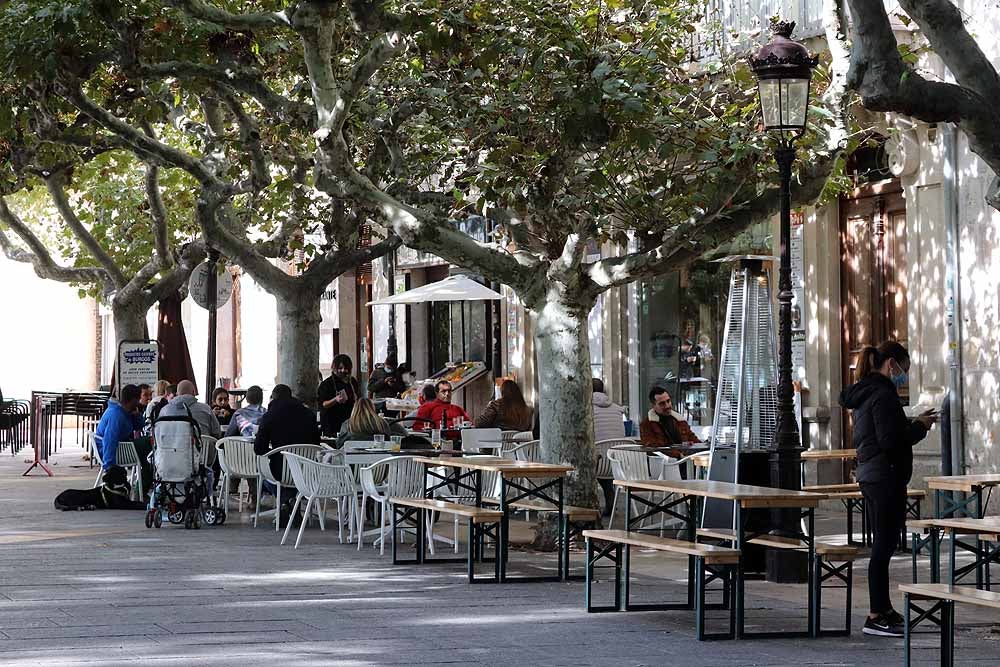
(745, 497)
(829, 454)
(946, 506)
(985, 531)
(467, 473)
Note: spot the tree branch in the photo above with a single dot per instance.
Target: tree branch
(941, 23)
(158, 213)
(704, 233)
(886, 83)
(207, 12)
(192, 255)
(419, 229)
(56, 184)
(39, 257)
(325, 268)
(145, 144)
(244, 79)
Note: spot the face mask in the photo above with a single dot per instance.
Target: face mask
(900, 380)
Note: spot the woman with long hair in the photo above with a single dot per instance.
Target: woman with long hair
(508, 412)
(365, 422)
(884, 438)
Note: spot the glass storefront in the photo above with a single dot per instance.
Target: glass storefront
(681, 320)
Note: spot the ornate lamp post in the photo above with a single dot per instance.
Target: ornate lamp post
(784, 70)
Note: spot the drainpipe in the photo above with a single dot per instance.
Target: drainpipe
(953, 296)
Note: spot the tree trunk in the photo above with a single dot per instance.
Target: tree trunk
(298, 343)
(130, 322)
(565, 410)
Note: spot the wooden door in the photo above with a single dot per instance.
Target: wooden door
(873, 274)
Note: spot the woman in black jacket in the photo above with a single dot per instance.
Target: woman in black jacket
(884, 438)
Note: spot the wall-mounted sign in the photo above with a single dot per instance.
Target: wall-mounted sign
(199, 285)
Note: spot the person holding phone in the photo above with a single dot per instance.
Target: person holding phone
(884, 438)
(337, 395)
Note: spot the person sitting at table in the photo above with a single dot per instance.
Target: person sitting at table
(427, 394)
(118, 424)
(186, 403)
(609, 422)
(220, 405)
(662, 426)
(288, 421)
(364, 423)
(441, 409)
(159, 396)
(145, 396)
(245, 420)
(509, 412)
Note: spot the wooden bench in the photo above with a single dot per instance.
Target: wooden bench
(832, 562)
(706, 563)
(574, 521)
(852, 498)
(482, 523)
(943, 598)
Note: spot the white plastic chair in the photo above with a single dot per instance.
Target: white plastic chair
(238, 461)
(603, 464)
(404, 478)
(208, 451)
(473, 439)
(627, 463)
(321, 481)
(93, 441)
(126, 457)
(265, 475)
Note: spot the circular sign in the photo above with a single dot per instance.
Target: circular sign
(198, 285)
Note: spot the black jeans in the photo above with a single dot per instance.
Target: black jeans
(885, 504)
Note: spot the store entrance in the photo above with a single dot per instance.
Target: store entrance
(872, 275)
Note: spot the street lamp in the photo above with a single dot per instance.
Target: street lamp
(784, 70)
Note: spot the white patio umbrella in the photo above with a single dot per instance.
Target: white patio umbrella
(452, 288)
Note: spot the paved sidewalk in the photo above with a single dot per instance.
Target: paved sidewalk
(98, 588)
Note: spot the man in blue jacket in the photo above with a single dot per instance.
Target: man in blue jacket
(117, 423)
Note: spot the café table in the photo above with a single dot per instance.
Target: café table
(946, 506)
(466, 472)
(746, 497)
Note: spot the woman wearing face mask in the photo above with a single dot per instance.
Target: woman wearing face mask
(884, 438)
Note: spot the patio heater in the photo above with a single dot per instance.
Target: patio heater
(746, 402)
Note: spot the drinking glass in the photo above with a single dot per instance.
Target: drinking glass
(379, 440)
(397, 443)
(436, 438)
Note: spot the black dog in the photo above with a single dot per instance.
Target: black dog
(112, 494)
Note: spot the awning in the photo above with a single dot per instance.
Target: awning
(452, 288)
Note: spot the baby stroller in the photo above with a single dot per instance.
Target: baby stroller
(182, 487)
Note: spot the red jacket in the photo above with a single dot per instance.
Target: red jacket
(433, 410)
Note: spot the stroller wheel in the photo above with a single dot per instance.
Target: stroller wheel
(149, 518)
(211, 516)
(189, 520)
(176, 517)
(158, 518)
(220, 517)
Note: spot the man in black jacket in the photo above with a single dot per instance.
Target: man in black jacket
(287, 422)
